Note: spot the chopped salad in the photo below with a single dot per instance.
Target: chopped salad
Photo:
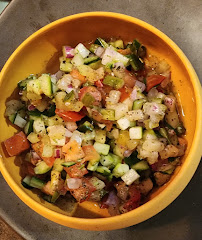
(104, 128)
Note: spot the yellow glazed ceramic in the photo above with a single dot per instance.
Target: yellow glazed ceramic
(39, 54)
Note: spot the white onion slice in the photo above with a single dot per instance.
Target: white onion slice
(99, 51)
(74, 183)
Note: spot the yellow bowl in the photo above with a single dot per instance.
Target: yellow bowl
(39, 54)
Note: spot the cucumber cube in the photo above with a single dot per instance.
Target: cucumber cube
(120, 170)
(101, 148)
(130, 176)
(135, 133)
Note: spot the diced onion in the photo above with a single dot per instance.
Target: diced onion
(99, 51)
(31, 107)
(68, 51)
(68, 133)
(57, 153)
(152, 93)
(140, 85)
(74, 183)
(133, 95)
(112, 199)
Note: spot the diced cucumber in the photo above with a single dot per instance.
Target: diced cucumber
(97, 183)
(66, 66)
(58, 164)
(123, 123)
(107, 161)
(33, 137)
(118, 150)
(93, 47)
(68, 164)
(29, 127)
(114, 82)
(141, 166)
(101, 148)
(41, 168)
(92, 166)
(54, 88)
(47, 150)
(80, 48)
(96, 65)
(100, 136)
(135, 132)
(77, 60)
(70, 97)
(46, 84)
(103, 170)
(50, 112)
(12, 117)
(169, 171)
(116, 159)
(55, 120)
(101, 42)
(55, 197)
(130, 176)
(26, 182)
(149, 134)
(119, 44)
(90, 60)
(86, 126)
(89, 136)
(108, 114)
(39, 126)
(34, 86)
(120, 169)
(37, 183)
(137, 104)
(164, 134)
(19, 121)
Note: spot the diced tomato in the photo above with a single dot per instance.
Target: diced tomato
(69, 115)
(78, 170)
(90, 153)
(83, 193)
(125, 93)
(126, 51)
(93, 91)
(72, 151)
(98, 117)
(134, 200)
(16, 144)
(76, 74)
(104, 92)
(99, 83)
(129, 79)
(38, 148)
(153, 80)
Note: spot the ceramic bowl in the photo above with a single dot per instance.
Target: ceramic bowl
(40, 52)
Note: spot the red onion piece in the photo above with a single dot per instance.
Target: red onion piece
(31, 107)
(112, 199)
(57, 153)
(68, 51)
(141, 85)
(74, 183)
(99, 51)
(133, 95)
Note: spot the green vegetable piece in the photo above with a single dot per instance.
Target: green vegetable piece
(12, 117)
(55, 197)
(107, 161)
(90, 60)
(181, 129)
(26, 182)
(101, 148)
(70, 97)
(116, 158)
(132, 159)
(96, 65)
(114, 82)
(86, 126)
(35, 112)
(65, 66)
(120, 170)
(29, 127)
(93, 47)
(68, 164)
(164, 134)
(119, 44)
(50, 112)
(37, 183)
(41, 168)
(140, 166)
(88, 100)
(137, 104)
(57, 166)
(101, 42)
(103, 170)
(92, 166)
(136, 62)
(23, 84)
(108, 114)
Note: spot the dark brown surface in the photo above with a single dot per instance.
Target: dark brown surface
(7, 233)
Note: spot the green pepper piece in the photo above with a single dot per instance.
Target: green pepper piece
(114, 82)
(136, 62)
(35, 112)
(70, 97)
(132, 159)
(101, 42)
(88, 100)
(50, 112)
(164, 134)
(85, 127)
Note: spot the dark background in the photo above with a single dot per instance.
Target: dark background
(181, 20)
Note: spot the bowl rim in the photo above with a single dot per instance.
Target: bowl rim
(164, 198)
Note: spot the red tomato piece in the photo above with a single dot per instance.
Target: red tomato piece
(90, 153)
(125, 93)
(76, 74)
(38, 148)
(153, 80)
(134, 200)
(76, 171)
(16, 144)
(83, 193)
(99, 83)
(69, 115)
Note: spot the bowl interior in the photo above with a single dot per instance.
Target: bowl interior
(40, 53)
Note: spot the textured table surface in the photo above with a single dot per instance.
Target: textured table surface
(182, 21)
